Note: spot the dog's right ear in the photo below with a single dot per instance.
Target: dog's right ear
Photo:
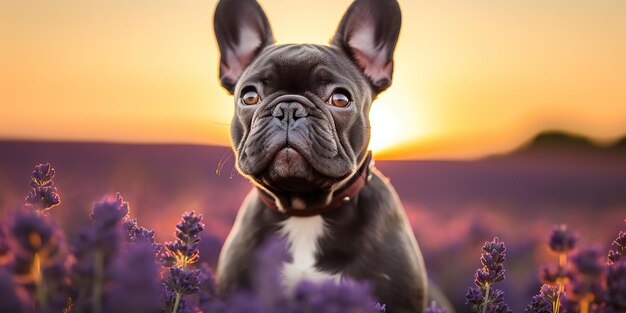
(242, 31)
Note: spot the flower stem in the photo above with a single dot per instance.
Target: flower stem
(97, 282)
(562, 265)
(176, 302)
(485, 299)
(584, 303)
(39, 283)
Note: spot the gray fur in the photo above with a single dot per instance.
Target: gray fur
(294, 145)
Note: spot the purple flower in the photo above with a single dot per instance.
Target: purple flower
(184, 282)
(484, 298)
(433, 308)
(43, 195)
(543, 302)
(347, 296)
(538, 304)
(42, 175)
(206, 284)
(181, 252)
(95, 251)
(141, 235)
(189, 227)
(616, 286)
(474, 299)
(107, 216)
(620, 248)
(31, 232)
(43, 198)
(178, 255)
(492, 260)
(551, 273)
(241, 302)
(616, 275)
(588, 261)
(586, 279)
(168, 300)
(477, 302)
(184, 251)
(569, 305)
(12, 297)
(561, 240)
(270, 257)
(135, 280)
(40, 259)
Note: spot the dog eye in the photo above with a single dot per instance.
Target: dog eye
(339, 99)
(250, 97)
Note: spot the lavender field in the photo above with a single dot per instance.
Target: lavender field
(454, 206)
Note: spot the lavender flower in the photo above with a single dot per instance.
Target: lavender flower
(270, 257)
(135, 279)
(553, 274)
(31, 232)
(492, 260)
(586, 281)
(544, 302)
(569, 305)
(184, 282)
(241, 302)
(40, 259)
(42, 175)
(561, 240)
(616, 286)
(141, 235)
(178, 255)
(107, 216)
(184, 251)
(620, 248)
(206, 285)
(539, 304)
(96, 250)
(11, 298)
(169, 298)
(347, 296)
(616, 275)
(483, 298)
(433, 308)
(43, 195)
(43, 198)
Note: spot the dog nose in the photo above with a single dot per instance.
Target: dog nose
(289, 112)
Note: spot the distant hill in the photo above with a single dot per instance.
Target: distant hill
(555, 142)
(620, 144)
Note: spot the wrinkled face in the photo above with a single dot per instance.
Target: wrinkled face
(301, 128)
(301, 121)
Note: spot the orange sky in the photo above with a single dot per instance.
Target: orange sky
(472, 77)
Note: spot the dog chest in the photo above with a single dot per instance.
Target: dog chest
(302, 235)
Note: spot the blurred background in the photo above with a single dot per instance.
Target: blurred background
(503, 119)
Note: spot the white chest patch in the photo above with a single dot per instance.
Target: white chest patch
(303, 234)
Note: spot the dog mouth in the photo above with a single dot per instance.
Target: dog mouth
(290, 171)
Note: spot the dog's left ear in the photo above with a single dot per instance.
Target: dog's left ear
(242, 31)
(368, 33)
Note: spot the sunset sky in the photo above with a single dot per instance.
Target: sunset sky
(472, 78)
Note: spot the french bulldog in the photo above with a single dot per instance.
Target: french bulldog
(300, 133)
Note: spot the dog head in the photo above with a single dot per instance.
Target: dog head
(301, 124)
